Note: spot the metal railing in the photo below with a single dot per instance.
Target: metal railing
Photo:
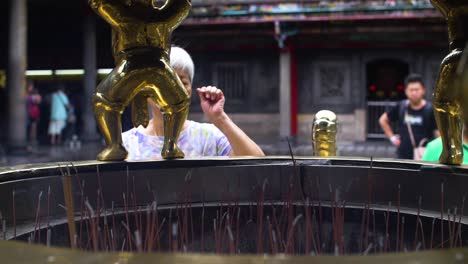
(374, 110)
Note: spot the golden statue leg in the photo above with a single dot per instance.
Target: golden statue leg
(109, 120)
(449, 104)
(447, 110)
(170, 95)
(173, 122)
(141, 37)
(452, 153)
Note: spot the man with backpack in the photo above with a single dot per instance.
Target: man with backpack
(415, 118)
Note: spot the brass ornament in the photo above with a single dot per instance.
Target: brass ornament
(141, 41)
(324, 130)
(450, 94)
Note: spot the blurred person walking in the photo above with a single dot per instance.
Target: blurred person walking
(33, 101)
(58, 115)
(416, 121)
(70, 127)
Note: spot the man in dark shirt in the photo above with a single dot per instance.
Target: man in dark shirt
(416, 112)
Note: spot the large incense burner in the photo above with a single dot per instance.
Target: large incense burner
(282, 209)
(306, 206)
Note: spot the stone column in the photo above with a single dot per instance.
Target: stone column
(90, 77)
(285, 93)
(16, 79)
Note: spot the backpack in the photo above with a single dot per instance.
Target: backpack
(402, 108)
(33, 111)
(418, 147)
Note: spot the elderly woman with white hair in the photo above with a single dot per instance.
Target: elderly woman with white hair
(220, 138)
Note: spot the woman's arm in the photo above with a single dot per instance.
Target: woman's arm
(212, 102)
(242, 145)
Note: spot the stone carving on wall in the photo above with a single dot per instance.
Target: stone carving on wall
(326, 82)
(331, 81)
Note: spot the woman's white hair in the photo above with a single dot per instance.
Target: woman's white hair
(181, 60)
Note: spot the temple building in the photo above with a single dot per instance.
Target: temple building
(278, 62)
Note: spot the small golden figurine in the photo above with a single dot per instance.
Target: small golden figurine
(449, 94)
(141, 41)
(324, 133)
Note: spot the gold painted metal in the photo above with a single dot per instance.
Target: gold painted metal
(16, 253)
(450, 94)
(68, 198)
(141, 35)
(2, 79)
(324, 130)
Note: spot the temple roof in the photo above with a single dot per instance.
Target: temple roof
(255, 11)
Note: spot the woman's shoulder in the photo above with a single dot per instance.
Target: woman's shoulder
(130, 134)
(141, 133)
(130, 131)
(204, 129)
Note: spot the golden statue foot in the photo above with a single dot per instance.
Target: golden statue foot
(140, 121)
(140, 111)
(114, 152)
(172, 152)
(451, 157)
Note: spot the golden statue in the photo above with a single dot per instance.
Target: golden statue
(449, 94)
(141, 41)
(324, 133)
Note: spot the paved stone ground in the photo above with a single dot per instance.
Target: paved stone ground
(88, 151)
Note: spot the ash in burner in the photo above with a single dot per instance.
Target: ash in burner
(234, 227)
